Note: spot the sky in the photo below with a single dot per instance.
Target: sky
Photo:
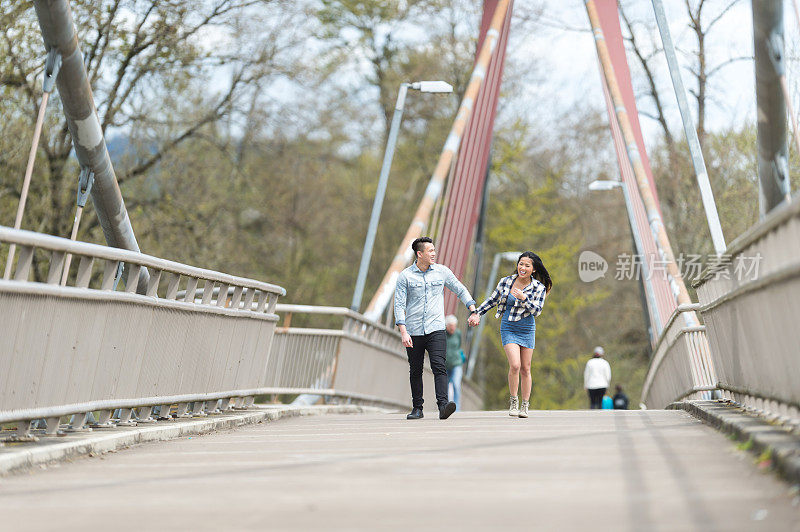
(566, 73)
(564, 44)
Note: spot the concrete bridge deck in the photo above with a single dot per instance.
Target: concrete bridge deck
(566, 470)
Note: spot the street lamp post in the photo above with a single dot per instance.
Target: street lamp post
(377, 205)
(476, 341)
(637, 242)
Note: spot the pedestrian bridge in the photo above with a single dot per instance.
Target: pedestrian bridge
(103, 347)
(200, 343)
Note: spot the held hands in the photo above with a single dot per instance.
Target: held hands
(474, 320)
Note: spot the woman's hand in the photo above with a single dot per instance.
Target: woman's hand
(474, 320)
(517, 293)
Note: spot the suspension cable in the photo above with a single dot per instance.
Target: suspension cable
(85, 182)
(51, 66)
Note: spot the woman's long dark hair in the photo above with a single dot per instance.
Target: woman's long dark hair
(539, 271)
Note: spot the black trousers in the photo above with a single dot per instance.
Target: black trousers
(596, 397)
(435, 344)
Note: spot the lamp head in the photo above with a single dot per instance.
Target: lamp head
(432, 86)
(604, 185)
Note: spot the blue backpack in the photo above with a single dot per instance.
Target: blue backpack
(608, 403)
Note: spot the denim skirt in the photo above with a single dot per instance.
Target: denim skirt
(522, 332)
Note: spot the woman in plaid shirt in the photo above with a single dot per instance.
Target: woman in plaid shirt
(519, 299)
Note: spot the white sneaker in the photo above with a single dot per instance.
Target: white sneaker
(513, 409)
(523, 409)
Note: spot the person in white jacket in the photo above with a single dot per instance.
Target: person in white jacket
(596, 377)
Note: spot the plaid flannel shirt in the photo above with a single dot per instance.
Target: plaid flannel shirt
(531, 305)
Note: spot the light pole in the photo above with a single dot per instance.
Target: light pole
(377, 205)
(476, 341)
(637, 242)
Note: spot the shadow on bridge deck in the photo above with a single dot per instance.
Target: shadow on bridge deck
(621, 470)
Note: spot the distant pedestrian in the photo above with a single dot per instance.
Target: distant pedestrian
(419, 313)
(608, 403)
(519, 299)
(455, 360)
(596, 378)
(620, 399)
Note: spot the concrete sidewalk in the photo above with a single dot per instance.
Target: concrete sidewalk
(19, 456)
(557, 470)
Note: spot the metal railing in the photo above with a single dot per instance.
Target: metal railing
(351, 357)
(682, 366)
(93, 345)
(750, 303)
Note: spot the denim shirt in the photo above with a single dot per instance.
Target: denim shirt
(419, 298)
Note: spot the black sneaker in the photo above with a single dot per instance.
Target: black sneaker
(446, 410)
(416, 413)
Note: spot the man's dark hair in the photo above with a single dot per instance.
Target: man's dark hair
(417, 245)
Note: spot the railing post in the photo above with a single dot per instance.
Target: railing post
(84, 272)
(52, 426)
(109, 274)
(152, 284)
(144, 414)
(198, 409)
(163, 412)
(57, 260)
(172, 286)
(125, 418)
(104, 420)
(191, 289)
(248, 299)
(208, 292)
(222, 295)
(78, 423)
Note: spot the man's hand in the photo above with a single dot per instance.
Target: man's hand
(406, 338)
(474, 320)
(517, 293)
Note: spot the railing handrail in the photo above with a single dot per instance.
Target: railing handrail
(680, 309)
(771, 221)
(333, 311)
(660, 355)
(285, 308)
(23, 237)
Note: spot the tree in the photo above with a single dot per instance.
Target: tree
(149, 63)
(369, 31)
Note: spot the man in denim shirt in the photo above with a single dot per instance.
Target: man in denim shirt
(419, 313)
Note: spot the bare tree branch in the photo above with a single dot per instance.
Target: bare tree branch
(645, 64)
(721, 14)
(728, 62)
(209, 117)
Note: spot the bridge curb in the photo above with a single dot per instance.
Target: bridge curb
(24, 456)
(759, 435)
